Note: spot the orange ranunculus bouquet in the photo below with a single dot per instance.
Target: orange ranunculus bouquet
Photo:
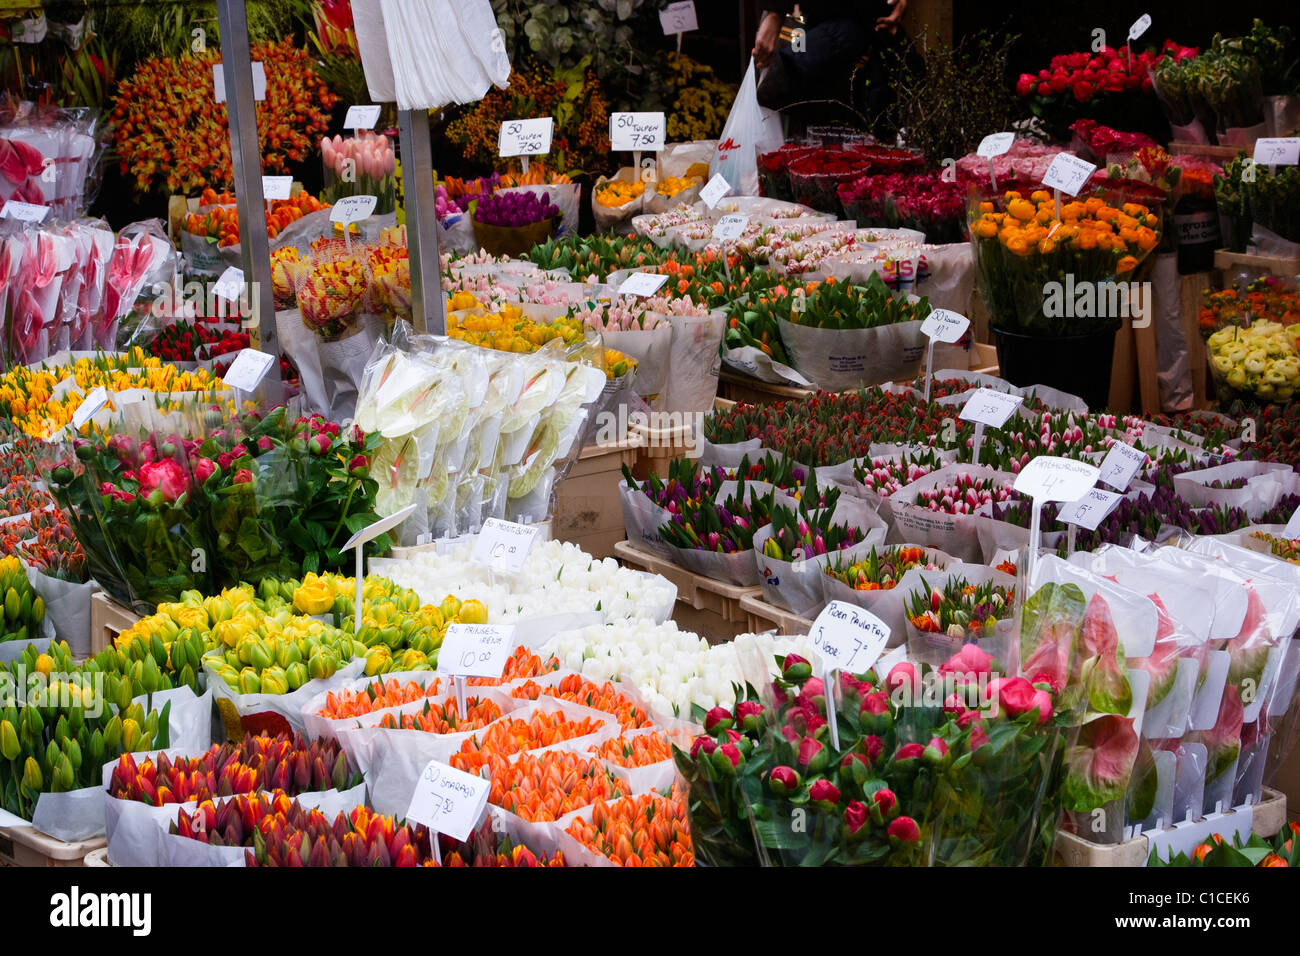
(1046, 272)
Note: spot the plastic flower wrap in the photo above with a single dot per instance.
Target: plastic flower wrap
(287, 271)
(390, 278)
(332, 292)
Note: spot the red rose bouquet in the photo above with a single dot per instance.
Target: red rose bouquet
(1110, 85)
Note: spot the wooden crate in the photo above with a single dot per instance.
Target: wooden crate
(98, 857)
(588, 510)
(1226, 261)
(695, 590)
(107, 620)
(761, 616)
(27, 846)
(1220, 154)
(1268, 817)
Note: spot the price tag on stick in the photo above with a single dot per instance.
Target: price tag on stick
(529, 137)
(1067, 174)
(1277, 151)
(24, 211)
(715, 190)
(447, 800)
(361, 117)
(358, 541)
(642, 284)
(248, 369)
(1121, 464)
(503, 545)
(941, 325)
(352, 209)
(636, 132)
(730, 227)
(848, 639)
(989, 407)
(1139, 27)
(678, 18)
(1048, 478)
(92, 403)
(476, 650)
(276, 187)
(1088, 512)
(995, 144)
(229, 284)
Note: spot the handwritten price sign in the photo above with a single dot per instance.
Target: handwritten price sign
(848, 638)
(1048, 478)
(447, 800)
(1090, 510)
(530, 137)
(1121, 464)
(503, 545)
(990, 407)
(633, 132)
(1278, 151)
(1068, 173)
(476, 650)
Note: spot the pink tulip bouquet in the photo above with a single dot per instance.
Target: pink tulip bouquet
(361, 165)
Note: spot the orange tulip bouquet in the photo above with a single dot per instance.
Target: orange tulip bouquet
(1049, 270)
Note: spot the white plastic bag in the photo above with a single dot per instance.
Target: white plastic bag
(749, 131)
(693, 365)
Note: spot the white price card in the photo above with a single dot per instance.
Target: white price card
(995, 144)
(352, 209)
(848, 638)
(476, 650)
(1121, 464)
(989, 407)
(259, 82)
(679, 17)
(714, 190)
(1139, 27)
(230, 284)
(24, 211)
(1090, 510)
(730, 227)
(361, 117)
(633, 132)
(447, 800)
(503, 545)
(1278, 151)
(1068, 173)
(92, 403)
(944, 325)
(642, 283)
(1048, 478)
(248, 369)
(276, 187)
(530, 137)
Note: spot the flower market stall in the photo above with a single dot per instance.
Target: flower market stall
(469, 458)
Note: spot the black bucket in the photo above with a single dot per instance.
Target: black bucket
(1078, 364)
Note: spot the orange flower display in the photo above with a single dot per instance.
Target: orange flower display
(169, 131)
(1022, 246)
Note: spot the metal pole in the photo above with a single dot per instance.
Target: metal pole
(255, 247)
(428, 304)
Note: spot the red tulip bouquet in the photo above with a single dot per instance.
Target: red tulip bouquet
(960, 780)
